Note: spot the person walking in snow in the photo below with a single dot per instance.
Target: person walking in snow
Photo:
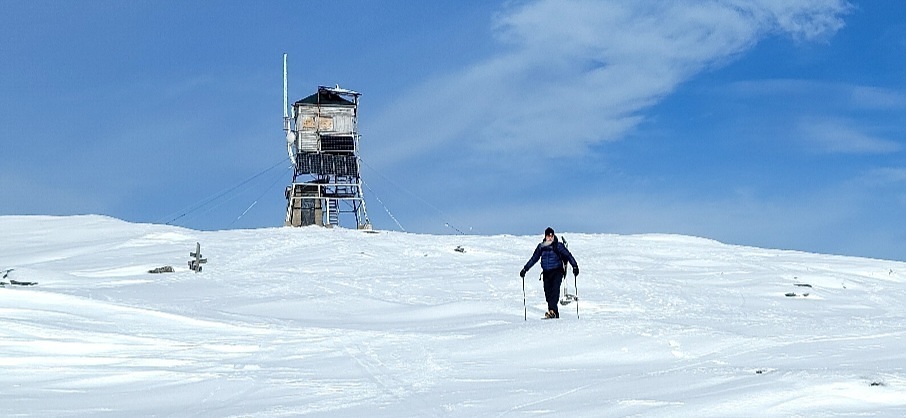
(554, 257)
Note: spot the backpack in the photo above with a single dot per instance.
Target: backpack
(560, 255)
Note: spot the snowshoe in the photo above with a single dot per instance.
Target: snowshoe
(568, 298)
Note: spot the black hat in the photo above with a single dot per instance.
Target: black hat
(549, 231)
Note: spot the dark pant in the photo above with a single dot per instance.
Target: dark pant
(552, 280)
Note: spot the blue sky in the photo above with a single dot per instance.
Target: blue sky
(771, 123)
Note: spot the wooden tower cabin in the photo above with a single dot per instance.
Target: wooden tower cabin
(322, 142)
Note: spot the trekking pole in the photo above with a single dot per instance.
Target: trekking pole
(524, 308)
(576, 285)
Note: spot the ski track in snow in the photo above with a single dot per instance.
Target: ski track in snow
(333, 322)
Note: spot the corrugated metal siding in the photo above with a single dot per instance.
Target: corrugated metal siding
(342, 119)
(308, 141)
(331, 120)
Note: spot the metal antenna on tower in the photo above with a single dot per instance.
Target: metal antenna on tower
(285, 98)
(290, 136)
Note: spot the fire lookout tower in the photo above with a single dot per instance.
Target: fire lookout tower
(322, 142)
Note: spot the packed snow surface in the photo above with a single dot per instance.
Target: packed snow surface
(335, 322)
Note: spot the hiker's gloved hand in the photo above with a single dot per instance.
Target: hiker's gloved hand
(575, 271)
(522, 273)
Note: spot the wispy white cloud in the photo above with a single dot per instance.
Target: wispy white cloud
(884, 176)
(819, 220)
(840, 136)
(877, 98)
(850, 96)
(574, 73)
(787, 222)
(825, 117)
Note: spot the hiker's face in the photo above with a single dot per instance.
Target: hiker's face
(549, 237)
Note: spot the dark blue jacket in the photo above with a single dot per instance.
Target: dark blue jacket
(552, 256)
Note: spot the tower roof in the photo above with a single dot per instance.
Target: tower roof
(326, 97)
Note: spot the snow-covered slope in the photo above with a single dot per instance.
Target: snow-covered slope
(334, 322)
